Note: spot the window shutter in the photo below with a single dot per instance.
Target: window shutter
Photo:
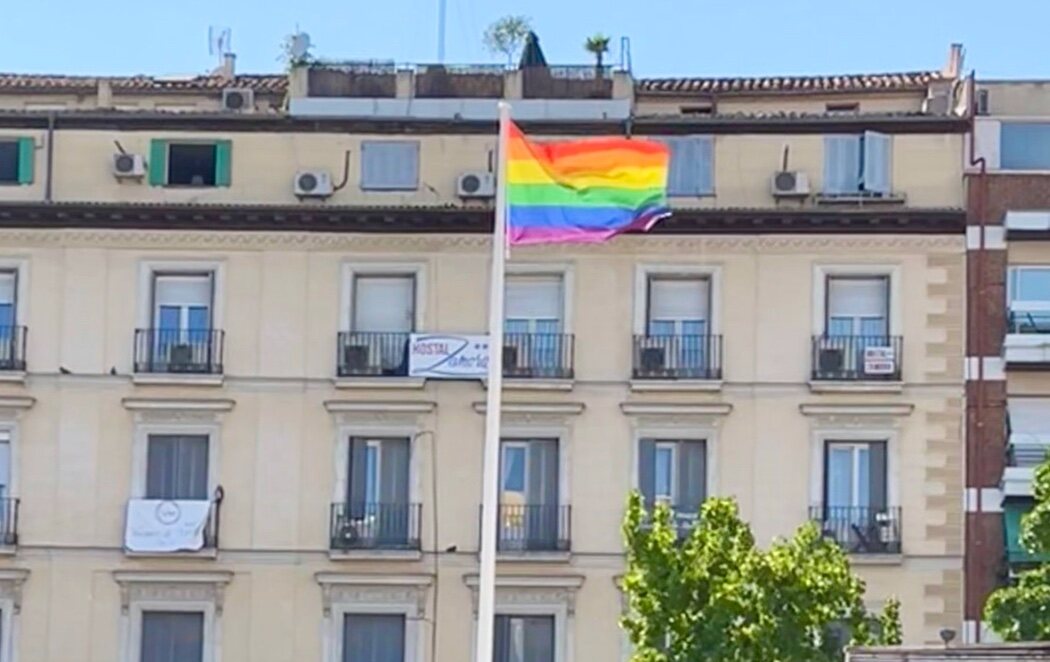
(647, 470)
(393, 484)
(533, 297)
(692, 475)
(158, 162)
(877, 477)
(374, 637)
(691, 168)
(223, 162)
(5, 463)
(501, 640)
(390, 165)
(857, 297)
(678, 299)
(384, 304)
(358, 476)
(186, 290)
(877, 162)
(841, 164)
(26, 155)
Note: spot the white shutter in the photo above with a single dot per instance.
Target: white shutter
(876, 162)
(857, 297)
(7, 287)
(678, 298)
(5, 463)
(384, 304)
(533, 297)
(841, 164)
(183, 290)
(1029, 420)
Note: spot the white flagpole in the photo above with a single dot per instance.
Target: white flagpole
(493, 403)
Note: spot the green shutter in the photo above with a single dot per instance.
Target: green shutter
(158, 162)
(223, 162)
(26, 154)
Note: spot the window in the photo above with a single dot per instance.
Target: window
(692, 166)
(389, 165)
(1024, 146)
(190, 164)
(524, 639)
(172, 636)
(1028, 293)
(529, 510)
(8, 507)
(857, 306)
(855, 509)
(384, 303)
(534, 324)
(373, 638)
(12, 348)
(177, 467)
(378, 509)
(678, 306)
(16, 160)
(856, 165)
(673, 471)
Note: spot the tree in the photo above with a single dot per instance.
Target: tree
(598, 46)
(506, 36)
(714, 597)
(1021, 612)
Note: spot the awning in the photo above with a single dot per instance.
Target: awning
(1013, 510)
(1029, 421)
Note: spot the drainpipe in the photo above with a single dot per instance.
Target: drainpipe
(975, 296)
(50, 156)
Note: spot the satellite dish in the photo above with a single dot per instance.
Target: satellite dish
(300, 44)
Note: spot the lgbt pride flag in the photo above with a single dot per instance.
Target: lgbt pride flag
(583, 190)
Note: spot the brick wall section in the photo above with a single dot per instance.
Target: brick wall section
(1016, 192)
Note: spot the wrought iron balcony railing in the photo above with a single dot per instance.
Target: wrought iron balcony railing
(193, 351)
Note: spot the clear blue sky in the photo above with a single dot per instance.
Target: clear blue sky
(1003, 38)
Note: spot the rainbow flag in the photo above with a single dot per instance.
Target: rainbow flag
(583, 190)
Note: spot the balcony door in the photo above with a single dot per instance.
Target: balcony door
(674, 472)
(533, 324)
(378, 491)
(177, 467)
(677, 322)
(858, 306)
(528, 500)
(182, 319)
(855, 492)
(373, 638)
(523, 639)
(9, 347)
(383, 315)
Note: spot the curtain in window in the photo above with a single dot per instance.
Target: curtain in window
(524, 639)
(177, 467)
(374, 638)
(172, 636)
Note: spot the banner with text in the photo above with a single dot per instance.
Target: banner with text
(166, 526)
(448, 356)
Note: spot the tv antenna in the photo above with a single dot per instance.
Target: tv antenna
(220, 40)
(300, 44)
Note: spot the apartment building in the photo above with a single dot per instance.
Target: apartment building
(1008, 391)
(206, 339)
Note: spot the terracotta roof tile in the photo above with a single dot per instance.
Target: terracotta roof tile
(261, 83)
(908, 81)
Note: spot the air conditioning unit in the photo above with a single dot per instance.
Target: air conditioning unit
(653, 360)
(831, 360)
(238, 99)
(358, 360)
(129, 165)
(789, 183)
(180, 359)
(478, 184)
(313, 184)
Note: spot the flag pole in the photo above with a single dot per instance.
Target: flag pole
(493, 404)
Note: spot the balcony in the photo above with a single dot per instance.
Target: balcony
(860, 530)
(1027, 341)
(1022, 457)
(567, 82)
(371, 80)
(163, 526)
(538, 355)
(12, 348)
(8, 521)
(523, 529)
(372, 354)
(439, 81)
(856, 358)
(179, 351)
(375, 526)
(688, 357)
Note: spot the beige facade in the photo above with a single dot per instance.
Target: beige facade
(279, 421)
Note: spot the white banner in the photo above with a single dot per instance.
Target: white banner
(879, 361)
(166, 526)
(448, 356)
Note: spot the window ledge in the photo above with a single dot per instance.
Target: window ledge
(705, 385)
(514, 384)
(375, 554)
(822, 386)
(176, 379)
(8, 550)
(13, 376)
(209, 553)
(837, 199)
(876, 559)
(380, 382)
(533, 557)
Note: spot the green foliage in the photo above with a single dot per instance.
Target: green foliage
(1021, 612)
(890, 624)
(506, 36)
(715, 597)
(597, 45)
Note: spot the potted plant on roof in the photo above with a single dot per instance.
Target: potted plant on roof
(598, 46)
